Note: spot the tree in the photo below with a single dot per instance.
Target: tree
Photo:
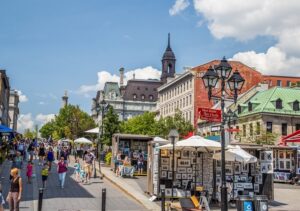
(71, 122)
(111, 125)
(29, 134)
(266, 138)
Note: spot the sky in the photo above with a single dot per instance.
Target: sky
(48, 47)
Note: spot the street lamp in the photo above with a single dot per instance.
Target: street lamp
(100, 107)
(235, 83)
(173, 135)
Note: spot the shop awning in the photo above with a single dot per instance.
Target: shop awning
(236, 153)
(5, 129)
(94, 130)
(293, 137)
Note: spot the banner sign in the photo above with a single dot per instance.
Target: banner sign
(211, 115)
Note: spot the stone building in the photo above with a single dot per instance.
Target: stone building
(274, 111)
(4, 98)
(13, 109)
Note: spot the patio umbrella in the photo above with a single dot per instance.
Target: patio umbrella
(94, 130)
(83, 140)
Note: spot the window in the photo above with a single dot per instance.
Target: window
(146, 88)
(288, 83)
(237, 129)
(239, 109)
(187, 100)
(296, 105)
(284, 129)
(138, 88)
(257, 128)
(297, 126)
(249, 106)
(269, 127)
(143, 97)
(251, 129)
(134, 96)
(244, 130)
(190, 99)
(183, 102)
(279, 104)
(151, 97)
(278, 82)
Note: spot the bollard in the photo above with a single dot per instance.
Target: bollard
(103, 199)
(163, 200)
(40, 202)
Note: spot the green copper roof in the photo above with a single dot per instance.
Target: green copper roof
(265, 101)
(111, 87)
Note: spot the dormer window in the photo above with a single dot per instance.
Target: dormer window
(249, 106)
(239, 109)
(296, 105)
(279, 104)
(143, 97)
(151, 97)
(134, 96)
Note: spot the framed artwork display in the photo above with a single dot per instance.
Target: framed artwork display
(171, 163)
(164, 161)
(259, 179)
(178, 153)
(184, 176)
(218, 171)
(228, 171)
(243, 178)
(164, 153)
(245, 168)
(239, 185)
(218, 163)
(185, 154)
(256, 188)
(164, 167)
(237, 168)
(248, 185)
(194, 160)
(162, 187)
(189, 170)
(181, 170)
(190, 176)
(170, 174)
(184, 183)
(178, 176)
(164, 174)
(218, 180)
(184, 162)
(168, 192)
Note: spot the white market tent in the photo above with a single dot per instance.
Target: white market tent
(83, 140)
(199, 143)
(94, 130)
(236, 153)
(160, 140)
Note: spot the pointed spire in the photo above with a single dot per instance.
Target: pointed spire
(169, 46)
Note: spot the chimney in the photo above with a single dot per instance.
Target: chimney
(121, 76)
(133, 76)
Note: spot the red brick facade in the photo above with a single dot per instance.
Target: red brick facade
(252, 77)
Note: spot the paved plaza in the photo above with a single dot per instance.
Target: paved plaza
(73, 197)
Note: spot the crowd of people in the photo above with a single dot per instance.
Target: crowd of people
(22, 153)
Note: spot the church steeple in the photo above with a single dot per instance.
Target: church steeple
(168, 63)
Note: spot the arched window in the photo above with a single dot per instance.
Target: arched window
(278, 103)
(296, 105)
(143, 97)
(134, 96)
(151, 97)
(249, 106)
(169, 68)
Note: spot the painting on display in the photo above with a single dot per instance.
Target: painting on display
(184, 162)
(266, 168)
(237, 168)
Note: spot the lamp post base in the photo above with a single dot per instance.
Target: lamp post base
(224, 206)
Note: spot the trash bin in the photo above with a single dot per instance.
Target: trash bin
(244, 203)
(261, 203)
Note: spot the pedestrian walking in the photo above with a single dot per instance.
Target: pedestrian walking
(42, 154)
(29, 171)
(15, 193)
(45, 174)
(30, 150)
(50, 157)
(140, 163)
(77, 169)
(62, 169)
(88, 166)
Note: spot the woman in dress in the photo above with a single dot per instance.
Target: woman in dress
(62, 169)
(42, 153)
(50, 157)
(15, 191)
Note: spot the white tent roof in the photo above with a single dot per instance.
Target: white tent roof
(236, 153)
(160, 140)
(195, 143)
(94, 130)
(83, 141)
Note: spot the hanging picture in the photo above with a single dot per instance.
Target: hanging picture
(164, 167)
(178, 153)
(184, 162)
(194, 160)
(164, 153)
(262, 156)
(168, 192)
(228, 171)
(189, 170)
(162, 187)
(184, 183)
(256, 188)
(218, 163)
(267, 168)
(259, 179)
(237, 168)
(218, 171)
(243, 178)
(164, 161)
(181, 170)
(170, 175)
(171, 163)
(184, 176)
(164, 174)
(185, 154)
(252, 167)
(245, 168)
(248, 185)
(178, 176)
(218, 180)
(190, 176)
(269, 156)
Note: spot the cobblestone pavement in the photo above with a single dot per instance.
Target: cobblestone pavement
(74, 197)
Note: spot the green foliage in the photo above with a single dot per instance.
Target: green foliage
(111, 125)
(71, 122)
(266, 138)
(29, 134)
(108, 157)
(146, 124)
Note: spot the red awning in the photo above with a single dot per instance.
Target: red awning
(293, 137)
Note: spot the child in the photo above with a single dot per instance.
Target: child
(45, 173)
(77, 169)
(29, 171)
(82, 175)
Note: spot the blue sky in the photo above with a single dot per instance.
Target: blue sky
(47, 47)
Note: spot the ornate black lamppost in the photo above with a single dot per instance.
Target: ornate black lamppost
(173, 135)
(235, 82)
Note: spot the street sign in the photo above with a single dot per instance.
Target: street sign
(211, 115)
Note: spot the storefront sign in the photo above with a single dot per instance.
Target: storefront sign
(212, 115)
(215, 128)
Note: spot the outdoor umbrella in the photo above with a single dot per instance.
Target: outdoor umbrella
(94, 130)
(83, 141)
(233, 154)
(160, 140)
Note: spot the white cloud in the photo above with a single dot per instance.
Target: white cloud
(41, 103)
(245, 20)
(23, 98)
(178, 6)
(25, 121)
(104, 76)
(44, 118)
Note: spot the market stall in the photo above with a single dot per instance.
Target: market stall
(131, 146)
